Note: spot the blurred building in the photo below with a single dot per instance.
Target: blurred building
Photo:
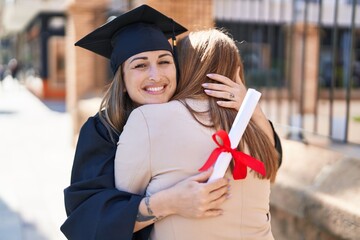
(288, 47)
(33, 32)
(306, 52)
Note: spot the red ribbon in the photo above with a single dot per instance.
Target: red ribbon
(241, 160)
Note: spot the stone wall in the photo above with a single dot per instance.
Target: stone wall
(192, 16)
(316, 194)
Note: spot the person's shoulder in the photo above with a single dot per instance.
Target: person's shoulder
(160, 107)
(95, 127)
(93, 123)
(150, 113)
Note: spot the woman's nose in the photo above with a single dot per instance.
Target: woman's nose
(154, 74)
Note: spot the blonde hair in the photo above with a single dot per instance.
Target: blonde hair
(213, 51)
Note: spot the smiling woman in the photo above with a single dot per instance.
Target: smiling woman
(142, 61)
(150, 77)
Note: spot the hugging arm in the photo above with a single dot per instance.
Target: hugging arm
(192, 197)
(231, 95)
(95, 208)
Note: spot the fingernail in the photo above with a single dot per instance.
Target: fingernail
(228, 195)
(209, 75)
(207, 91)
(204, 85)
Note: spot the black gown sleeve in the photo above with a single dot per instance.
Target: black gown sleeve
(95, 208)
(278, 146)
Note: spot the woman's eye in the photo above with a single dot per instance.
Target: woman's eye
(165, 62)
(142, 65)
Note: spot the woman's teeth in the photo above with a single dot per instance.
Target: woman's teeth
(154, 89)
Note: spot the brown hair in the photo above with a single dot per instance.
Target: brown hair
(116, 106)
(213, 51)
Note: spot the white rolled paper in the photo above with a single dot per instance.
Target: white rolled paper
(241, 121)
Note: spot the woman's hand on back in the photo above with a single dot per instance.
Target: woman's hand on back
(195, 198)
(230, 93)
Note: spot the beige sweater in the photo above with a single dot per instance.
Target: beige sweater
(161, 145)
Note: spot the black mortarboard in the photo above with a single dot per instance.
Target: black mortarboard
(139, 30)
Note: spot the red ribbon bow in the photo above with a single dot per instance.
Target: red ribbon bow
(241, 160)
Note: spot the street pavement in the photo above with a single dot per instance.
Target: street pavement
(36, 154)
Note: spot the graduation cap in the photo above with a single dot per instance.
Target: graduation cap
(139, 30)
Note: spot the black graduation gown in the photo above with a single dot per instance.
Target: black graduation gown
(278, 146)
(95, 208)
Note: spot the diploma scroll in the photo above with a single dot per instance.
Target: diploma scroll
(241, 121)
